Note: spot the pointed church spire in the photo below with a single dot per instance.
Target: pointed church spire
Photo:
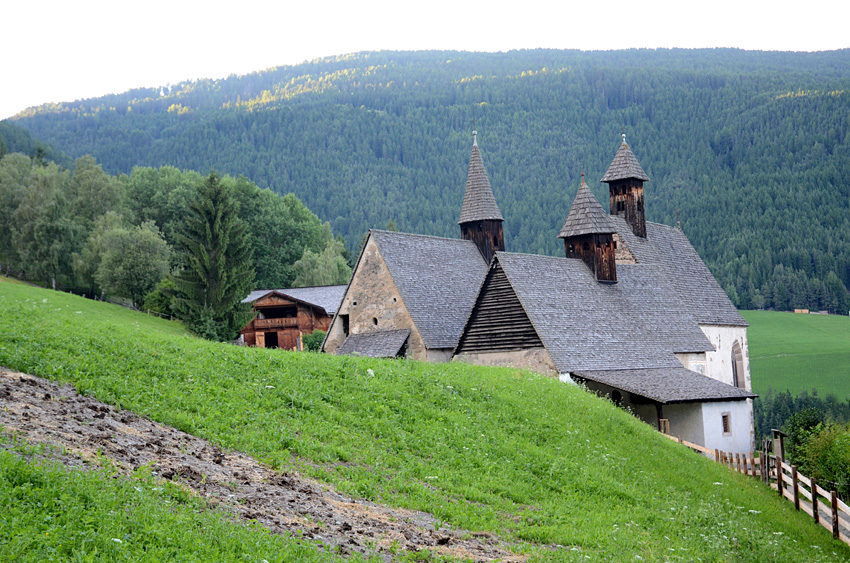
(625, 179)
(588, 234)
(479, 203)
(480, 219)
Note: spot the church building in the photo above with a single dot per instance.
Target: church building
(630, 311)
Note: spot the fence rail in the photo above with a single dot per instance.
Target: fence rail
(808, 496)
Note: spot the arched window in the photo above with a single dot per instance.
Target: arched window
(739, 376)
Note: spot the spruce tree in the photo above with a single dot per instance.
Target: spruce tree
(217, 272)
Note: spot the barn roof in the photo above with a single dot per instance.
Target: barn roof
(478, 201)
(637, 323)
(379, 344)
(625, 165)
(671, 252)
(326, 297)
(586, 216)
(668, 385)
(438, 279)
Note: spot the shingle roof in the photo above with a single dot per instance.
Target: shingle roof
(326, 297)
(438, 279)
(668, 385)
(669, 249)
(625, 165)
(637, 323)
(586, 216)
(479, 203)
(380, 344)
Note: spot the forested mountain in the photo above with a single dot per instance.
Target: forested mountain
(748, 150)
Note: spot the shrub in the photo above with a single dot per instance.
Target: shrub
(313, 342)
(827, 457)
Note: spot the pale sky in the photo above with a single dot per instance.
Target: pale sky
(63, 50)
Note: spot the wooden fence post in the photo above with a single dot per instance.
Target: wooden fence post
(779, 485)
(716, 455)
(752, 464)
(815, 509)
(834, 514)
(795, 487)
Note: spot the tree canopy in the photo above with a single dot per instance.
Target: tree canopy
(749, 151)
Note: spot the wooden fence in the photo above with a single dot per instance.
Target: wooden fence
(807, 495)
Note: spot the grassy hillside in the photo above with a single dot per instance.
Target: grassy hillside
(51, 514)
(499, 450)
(799, 352)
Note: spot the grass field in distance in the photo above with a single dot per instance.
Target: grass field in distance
(799, 352)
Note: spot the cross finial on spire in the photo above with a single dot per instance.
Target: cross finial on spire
(624, 138)
(475, 138)
(582, 176)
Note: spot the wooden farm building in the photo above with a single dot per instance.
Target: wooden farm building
(630, 311)
(284, 315)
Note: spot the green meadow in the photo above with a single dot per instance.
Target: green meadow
(797, 352)
(561, 474)
(50, 514)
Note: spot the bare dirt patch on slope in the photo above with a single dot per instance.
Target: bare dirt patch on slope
(85, 430)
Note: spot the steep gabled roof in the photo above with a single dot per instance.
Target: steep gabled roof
(670, 251)
(479, 203)
(637, 323)
(326, 297)
(379, 344)
(438, 279)
(625, 165)
(586, 216)
(668, 385)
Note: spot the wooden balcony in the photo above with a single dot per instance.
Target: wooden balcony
(276, 323)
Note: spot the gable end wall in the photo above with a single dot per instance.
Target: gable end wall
(373, 296)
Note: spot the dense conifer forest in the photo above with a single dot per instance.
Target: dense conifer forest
(749, 151)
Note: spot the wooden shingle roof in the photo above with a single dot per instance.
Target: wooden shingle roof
(479, 203)
(325, 297)
(668, 385)
(378, 344)
(625, 165)
(586, 216)
(670, 251)
(438, 279)
(637, 323)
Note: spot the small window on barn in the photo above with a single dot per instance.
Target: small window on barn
(727, 423)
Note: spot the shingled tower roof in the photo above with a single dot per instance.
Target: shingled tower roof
(479, 204)
(586, 216)
(625, 165)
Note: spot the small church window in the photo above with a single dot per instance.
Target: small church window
(727, 423)
(375, 321)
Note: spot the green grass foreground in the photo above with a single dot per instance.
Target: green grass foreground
(51, 514)
(483, 449)
(796, 352)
